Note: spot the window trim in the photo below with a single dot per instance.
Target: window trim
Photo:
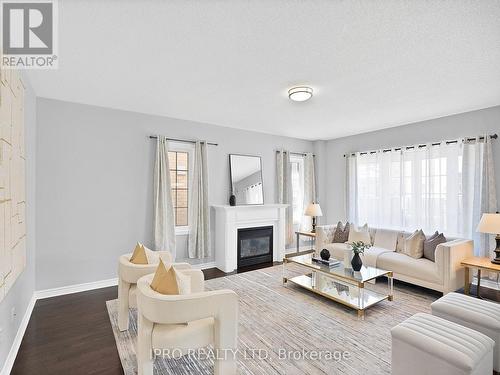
(175, 146)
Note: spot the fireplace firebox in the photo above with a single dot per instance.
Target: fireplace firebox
(255, 246)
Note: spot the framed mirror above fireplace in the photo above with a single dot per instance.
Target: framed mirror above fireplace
(246, 179)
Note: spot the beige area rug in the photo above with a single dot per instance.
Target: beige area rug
(288, 324)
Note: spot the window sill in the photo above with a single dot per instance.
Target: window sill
(181, 231)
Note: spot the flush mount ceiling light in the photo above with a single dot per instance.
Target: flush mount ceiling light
(300, 93)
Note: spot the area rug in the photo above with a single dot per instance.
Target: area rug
(288, 330)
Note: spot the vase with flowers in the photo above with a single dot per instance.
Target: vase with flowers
(358, 247)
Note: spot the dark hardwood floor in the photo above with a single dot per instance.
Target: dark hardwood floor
(72, 334)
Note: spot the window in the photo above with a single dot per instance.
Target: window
(297, 165)
(180, 159)
(410, 189)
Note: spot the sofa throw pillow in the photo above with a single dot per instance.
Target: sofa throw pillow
(400, 246)
(341, 234)
(414, 245)
(170, 281)
(431, 237)
(359, 234)
(386, 239)
(347, 229)
(431, 244)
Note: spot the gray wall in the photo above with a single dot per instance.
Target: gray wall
(94, 192)
(21, 292)
(445, 128)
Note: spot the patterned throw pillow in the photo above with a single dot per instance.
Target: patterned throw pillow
(431, 244)
(414, 245)
(341, 234)
(400, 245)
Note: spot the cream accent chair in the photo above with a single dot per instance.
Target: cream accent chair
(128, 274)
(177, 324)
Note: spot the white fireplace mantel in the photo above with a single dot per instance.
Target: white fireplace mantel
(228, 219)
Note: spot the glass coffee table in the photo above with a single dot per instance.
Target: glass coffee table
(338, 283)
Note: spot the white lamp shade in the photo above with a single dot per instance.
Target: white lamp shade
(313, 210)
(490, 223)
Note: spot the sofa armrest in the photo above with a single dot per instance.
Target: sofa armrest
(448, 260)
(324, 236)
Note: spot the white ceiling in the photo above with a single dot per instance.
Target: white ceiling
(372, 64)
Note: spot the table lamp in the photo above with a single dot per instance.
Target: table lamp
(490, 224)
(314, 210)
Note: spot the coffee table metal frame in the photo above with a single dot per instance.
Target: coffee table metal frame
(312, 281)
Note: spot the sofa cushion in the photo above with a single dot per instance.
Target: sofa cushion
(359, 234)
(402, 236)
(432, 236)
(422, 269)
(371, 255)
(386, 239)
(414, 245)
(431, 244)
(341, 234)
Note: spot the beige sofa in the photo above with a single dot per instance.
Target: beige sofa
(444, 275)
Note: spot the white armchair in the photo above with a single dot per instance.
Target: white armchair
(180, 323)
(128, 274)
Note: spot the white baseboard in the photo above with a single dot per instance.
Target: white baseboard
(204, 266)
(77, 288)
(11, 357)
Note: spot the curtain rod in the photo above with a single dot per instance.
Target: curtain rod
(295, 153)
(492, 136)
(183, 140)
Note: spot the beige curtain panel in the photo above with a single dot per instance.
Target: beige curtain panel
(199, 233)
(164, 222)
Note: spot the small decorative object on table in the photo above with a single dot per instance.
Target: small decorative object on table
(490, 224)
(325, 254)
(232, 200)
(358, 247)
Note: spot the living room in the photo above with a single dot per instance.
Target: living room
(274, 187)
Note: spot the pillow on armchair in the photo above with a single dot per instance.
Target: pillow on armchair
(170, 281)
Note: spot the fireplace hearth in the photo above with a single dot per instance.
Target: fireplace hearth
(255, 246)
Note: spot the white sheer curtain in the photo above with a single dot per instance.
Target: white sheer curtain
(199, 225)
(479, 191)
(444, 187)
(309, 190)
(285, 192)
(254, 193)
(164, 222)
(351, 187)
